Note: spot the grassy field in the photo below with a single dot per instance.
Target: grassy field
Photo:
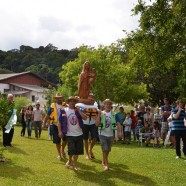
(33, 163)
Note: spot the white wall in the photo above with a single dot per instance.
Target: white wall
(3, 86)
(39, 96)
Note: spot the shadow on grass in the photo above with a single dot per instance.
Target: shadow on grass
(13, 171)
(14, 149)
(117, 172)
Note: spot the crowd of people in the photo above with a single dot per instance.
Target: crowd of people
(71, 126)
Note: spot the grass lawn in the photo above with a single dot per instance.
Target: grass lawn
(33, 163)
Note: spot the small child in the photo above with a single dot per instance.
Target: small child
(156, 133)
(127, 123)
(139, 126)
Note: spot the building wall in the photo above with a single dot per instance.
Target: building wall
(36, 96)
(3, 86)
(29, 79)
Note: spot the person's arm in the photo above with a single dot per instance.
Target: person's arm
(42, 115)
(25, 116)
(46, 118)
(97, 121)
(176, 115)
(84, 116)
(142, 130)
(60, 134)
(32, 115)
(119, 128)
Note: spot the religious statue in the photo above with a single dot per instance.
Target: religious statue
(86, 79)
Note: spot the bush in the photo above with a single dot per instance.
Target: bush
(5, 110)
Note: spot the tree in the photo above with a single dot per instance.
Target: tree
(114, 80)
(158, 49)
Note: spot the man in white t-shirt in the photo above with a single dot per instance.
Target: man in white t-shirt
(37, 118)
(72, 118)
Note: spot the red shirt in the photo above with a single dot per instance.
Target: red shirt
(133, 125)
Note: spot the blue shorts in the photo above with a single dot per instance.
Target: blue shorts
(145, 136)
(54, 133)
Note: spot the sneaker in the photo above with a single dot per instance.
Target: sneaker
(177, 157)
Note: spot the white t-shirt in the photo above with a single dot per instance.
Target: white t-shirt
(108, 130)
(89, 121)
(37, 114)
(73, 128)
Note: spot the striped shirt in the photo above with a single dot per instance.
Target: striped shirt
(178, 124)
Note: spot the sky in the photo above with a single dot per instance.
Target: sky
(66, 24)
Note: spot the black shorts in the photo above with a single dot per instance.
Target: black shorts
(172, 133)
(92, 129)
(127, 134)
(75, 145)
(54, 133)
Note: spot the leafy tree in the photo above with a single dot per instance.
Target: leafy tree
(5, 71)
(44, 61)
(157, 48)
(49, 95)
(114, 80)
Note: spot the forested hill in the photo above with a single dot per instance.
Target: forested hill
(44, 61)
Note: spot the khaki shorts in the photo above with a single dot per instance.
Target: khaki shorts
(164, 127)
(106, 143)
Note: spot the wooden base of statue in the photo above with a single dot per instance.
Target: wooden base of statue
(86, 101)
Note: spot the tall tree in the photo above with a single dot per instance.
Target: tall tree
(114, 80)
(158, 48)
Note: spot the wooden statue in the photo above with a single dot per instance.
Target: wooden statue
(86, 79)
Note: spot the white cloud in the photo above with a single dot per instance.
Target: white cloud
(64, 23)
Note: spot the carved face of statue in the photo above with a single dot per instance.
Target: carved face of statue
(86, 66)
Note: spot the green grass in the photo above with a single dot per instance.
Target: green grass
(33, 163)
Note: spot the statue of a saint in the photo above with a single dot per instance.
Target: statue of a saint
(86, 79)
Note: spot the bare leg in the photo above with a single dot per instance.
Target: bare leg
(93, 142)
(58, 147)
(105, 159)
(86, 149)
(64, 143)
(75, 158)
(69, 162)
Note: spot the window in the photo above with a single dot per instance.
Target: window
(33, 98)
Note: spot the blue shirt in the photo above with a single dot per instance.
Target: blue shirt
(165, 108)
(178, 124)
